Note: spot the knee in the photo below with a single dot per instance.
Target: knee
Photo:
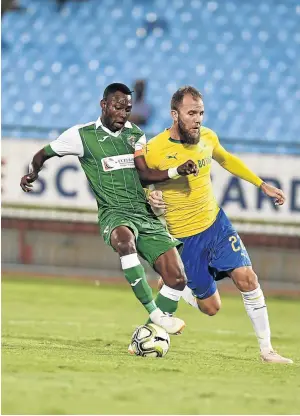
(210, 309)
(246, 280)
(125, 247)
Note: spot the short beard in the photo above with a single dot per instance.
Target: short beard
(185, 137)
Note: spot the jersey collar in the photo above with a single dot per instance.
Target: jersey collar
(112, 133)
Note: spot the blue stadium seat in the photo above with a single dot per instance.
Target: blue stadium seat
(244, 57)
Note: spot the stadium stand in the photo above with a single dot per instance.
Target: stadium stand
(241, 54)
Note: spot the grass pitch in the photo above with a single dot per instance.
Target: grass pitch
(64, 351)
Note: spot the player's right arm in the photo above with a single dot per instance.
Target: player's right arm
(149, 176)
(35, 166)
(68, 143)
(149, 171)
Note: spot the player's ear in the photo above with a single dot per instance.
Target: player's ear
(103, 104)
(174, 115)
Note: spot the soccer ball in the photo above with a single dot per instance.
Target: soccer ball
(150, 341)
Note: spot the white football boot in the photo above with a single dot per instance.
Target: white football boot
(271, 356)
(170, 323)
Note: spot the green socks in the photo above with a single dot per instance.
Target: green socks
(136, 277)
(166, 300)
(166, 304)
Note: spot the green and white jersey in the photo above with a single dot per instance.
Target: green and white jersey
(107, 159)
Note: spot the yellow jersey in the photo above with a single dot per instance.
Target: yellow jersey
(191, 206)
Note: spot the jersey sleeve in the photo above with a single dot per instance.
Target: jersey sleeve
(140, 146)
(68, 143)
(150, 156)
(233, 164)
(219, 153)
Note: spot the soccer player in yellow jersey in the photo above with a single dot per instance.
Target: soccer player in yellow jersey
(212, 248)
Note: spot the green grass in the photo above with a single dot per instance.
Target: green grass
(64, 351)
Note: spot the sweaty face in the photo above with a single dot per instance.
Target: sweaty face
(190, 116)
(116, 110)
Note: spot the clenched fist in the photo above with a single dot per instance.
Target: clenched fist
(188, 168)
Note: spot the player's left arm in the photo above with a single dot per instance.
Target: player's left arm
(150, 176)
(237, 167)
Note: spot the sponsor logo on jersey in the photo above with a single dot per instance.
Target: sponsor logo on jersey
(108, 163)
(117, 162)
(204, 162)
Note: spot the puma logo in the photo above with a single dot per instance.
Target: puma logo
(172, 156)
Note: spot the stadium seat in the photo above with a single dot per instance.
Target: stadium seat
(244, 57)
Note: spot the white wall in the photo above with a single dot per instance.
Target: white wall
(62, 183)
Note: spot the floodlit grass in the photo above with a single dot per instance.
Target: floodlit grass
(64, 351)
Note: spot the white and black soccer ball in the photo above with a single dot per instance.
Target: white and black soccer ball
(150, 341)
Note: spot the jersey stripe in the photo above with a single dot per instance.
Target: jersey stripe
(111, 175)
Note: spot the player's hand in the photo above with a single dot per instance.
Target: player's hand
(188, 168)
(273, 193)
(27, 180)
(156, 200)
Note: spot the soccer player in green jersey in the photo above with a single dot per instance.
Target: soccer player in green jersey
(110, 153)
